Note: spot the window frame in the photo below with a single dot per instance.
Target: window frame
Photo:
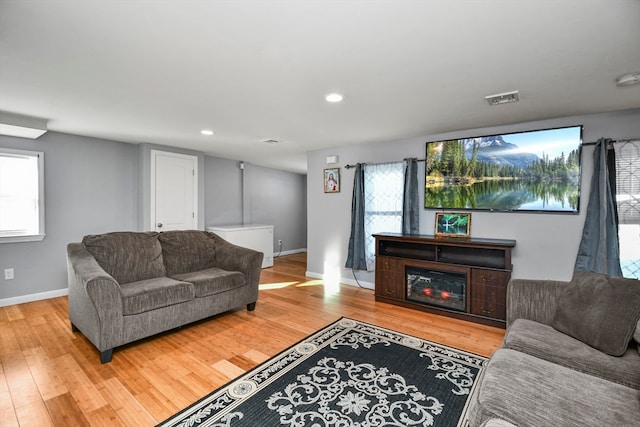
(40, 235)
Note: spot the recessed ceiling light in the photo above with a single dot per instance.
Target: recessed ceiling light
(334, 97)
(271, 141)
(629, 79)
(502, 98)
(206, 132)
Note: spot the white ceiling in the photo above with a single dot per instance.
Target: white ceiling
(159, 71)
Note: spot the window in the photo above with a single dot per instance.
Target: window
(21, 195)
(628, 203)
(383, 191)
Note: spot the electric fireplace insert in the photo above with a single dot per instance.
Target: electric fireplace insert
(439, 288)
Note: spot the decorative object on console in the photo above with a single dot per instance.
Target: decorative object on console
(450, 224)
(349, 373)
(332, 180)
(521, 172)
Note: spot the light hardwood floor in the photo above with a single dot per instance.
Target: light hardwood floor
(52, 377)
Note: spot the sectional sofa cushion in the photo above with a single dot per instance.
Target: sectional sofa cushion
(127, 256)
(546, 343)
(213, 281)
(187, 251)
(599, 310)
(527, 392)
(151, 294)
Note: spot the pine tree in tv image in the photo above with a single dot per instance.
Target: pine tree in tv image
(525, 171)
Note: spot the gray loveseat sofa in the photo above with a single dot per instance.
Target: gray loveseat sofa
(125, 286)
(570, 357)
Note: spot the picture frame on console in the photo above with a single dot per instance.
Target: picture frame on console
(453, 224)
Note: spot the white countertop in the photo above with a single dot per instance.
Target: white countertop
(238, 227)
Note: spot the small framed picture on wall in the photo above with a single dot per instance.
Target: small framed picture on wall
(332, 180)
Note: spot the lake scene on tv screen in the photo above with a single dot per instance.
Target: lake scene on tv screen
(526, 171)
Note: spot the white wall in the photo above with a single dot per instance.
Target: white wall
(546, 243)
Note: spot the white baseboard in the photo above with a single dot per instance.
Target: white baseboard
(343, 280)
(289, 252)
(33, 297)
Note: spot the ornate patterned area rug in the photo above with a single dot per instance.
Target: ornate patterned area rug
(348, 374)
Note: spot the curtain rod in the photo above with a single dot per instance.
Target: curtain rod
(612, 141)
(380, 163)
(583, 144)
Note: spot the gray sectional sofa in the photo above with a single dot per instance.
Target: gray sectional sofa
(570, 357)
(125, 286)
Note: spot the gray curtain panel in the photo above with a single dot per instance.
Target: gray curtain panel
(599, 247)
(410, 207)
(356, 256)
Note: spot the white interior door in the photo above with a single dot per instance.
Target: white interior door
(174, 191)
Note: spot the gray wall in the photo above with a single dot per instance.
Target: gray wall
(95, 186)
(546, 243)
(279, 198)
(258, 195)
(223, 191)
(90, 187)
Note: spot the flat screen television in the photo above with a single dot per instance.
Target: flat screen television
(532, 171)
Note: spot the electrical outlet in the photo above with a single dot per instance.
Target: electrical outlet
(280, 242)
(8, 273)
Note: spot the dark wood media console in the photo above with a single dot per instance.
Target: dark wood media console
(485, 265)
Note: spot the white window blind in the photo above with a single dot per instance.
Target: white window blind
(628, 204)
(383, 190)
(21, 195)
(628, 181)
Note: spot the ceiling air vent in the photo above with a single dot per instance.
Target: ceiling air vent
(502, 98)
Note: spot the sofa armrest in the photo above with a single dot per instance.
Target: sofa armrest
(237, 258)
(532, 299)
(95, 302)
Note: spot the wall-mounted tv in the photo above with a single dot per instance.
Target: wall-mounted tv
(533, 171)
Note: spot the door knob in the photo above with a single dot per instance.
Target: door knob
(159, 225)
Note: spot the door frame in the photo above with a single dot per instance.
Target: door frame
(152, 186)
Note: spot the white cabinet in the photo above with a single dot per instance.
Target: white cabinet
(257, 237)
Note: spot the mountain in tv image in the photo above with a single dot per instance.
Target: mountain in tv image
(495, 150)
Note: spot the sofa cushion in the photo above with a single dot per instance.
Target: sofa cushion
(527, 391)
(127, 256)
(544, 342)
(599, 310)
(150, 294)
(212, 281)
(187, 250)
